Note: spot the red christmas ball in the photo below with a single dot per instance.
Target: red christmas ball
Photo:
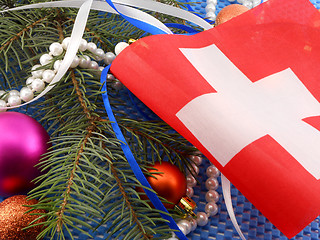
(168, 182)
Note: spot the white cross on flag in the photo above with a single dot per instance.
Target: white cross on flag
(246, 94)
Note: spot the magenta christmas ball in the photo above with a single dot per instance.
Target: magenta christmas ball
(23, 141)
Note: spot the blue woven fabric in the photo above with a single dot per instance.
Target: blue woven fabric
(253, 224)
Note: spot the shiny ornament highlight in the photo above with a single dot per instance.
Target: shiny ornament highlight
(13, 219)
(23, 141)
(168, 181)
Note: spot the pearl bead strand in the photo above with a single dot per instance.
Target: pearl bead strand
(212, 197)
(212, 4)
(40, 77)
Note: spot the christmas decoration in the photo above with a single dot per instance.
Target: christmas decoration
(13, 219)
(168, 181)
(230, 12)
(41, 77)
(22, 143)
(88, 186)
(202, 218)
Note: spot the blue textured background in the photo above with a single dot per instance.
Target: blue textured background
(253, 224)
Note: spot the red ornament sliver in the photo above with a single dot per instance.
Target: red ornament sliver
(246, 94)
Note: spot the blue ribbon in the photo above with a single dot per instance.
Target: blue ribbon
(139, 24)
(182, 27)
(132, 161)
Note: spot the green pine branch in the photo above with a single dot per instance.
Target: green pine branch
(86, 181)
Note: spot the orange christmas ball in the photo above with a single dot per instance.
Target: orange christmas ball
(13, 219)
(168, 182)
(230, 12)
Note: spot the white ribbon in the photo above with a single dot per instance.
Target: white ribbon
(169, 10)
(76, 36)
(228, 201)
(124, 6)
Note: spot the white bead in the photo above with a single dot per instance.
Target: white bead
(182, 228)
(193, 224)
(75, 62)
(191, 181)
(101, 68)
(56, 49)
(193, 169)
(202, 219)
(210, 7)
(110, 77)
(211, 208)
(189, 191)
(212, 196)
(93, 65)
(117, 85)
(196, 159)
(120, 47)
(172, 238)
(3, 95)
(92, 47)
(57, 65)
(14, 93)
(14, 101)
(212, 171)
(211, 16)
(34, 67)
(212, 183)
(26, 94)
(99, 54)
(247, 4)
(187, 225)
(29, 81)
(84, 61)
(109, 57)
(36, 73)
(3, 104)
(45, 59)
(48, 75)
(215, 2)
(83, 45)
(256, 2)
(65, 43)
(37, 85)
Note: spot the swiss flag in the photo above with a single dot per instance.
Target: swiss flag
(246, 94)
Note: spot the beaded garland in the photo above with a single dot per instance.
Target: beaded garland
(42, 76)
(212, 4)
(212, 197)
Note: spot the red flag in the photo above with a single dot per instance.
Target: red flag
(246, 94)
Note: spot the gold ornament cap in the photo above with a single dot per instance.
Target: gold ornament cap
(186, 206)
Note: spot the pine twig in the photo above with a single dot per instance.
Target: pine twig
(22, 32)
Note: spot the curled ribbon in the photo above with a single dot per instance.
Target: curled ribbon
(132, 161)
(126, 7)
